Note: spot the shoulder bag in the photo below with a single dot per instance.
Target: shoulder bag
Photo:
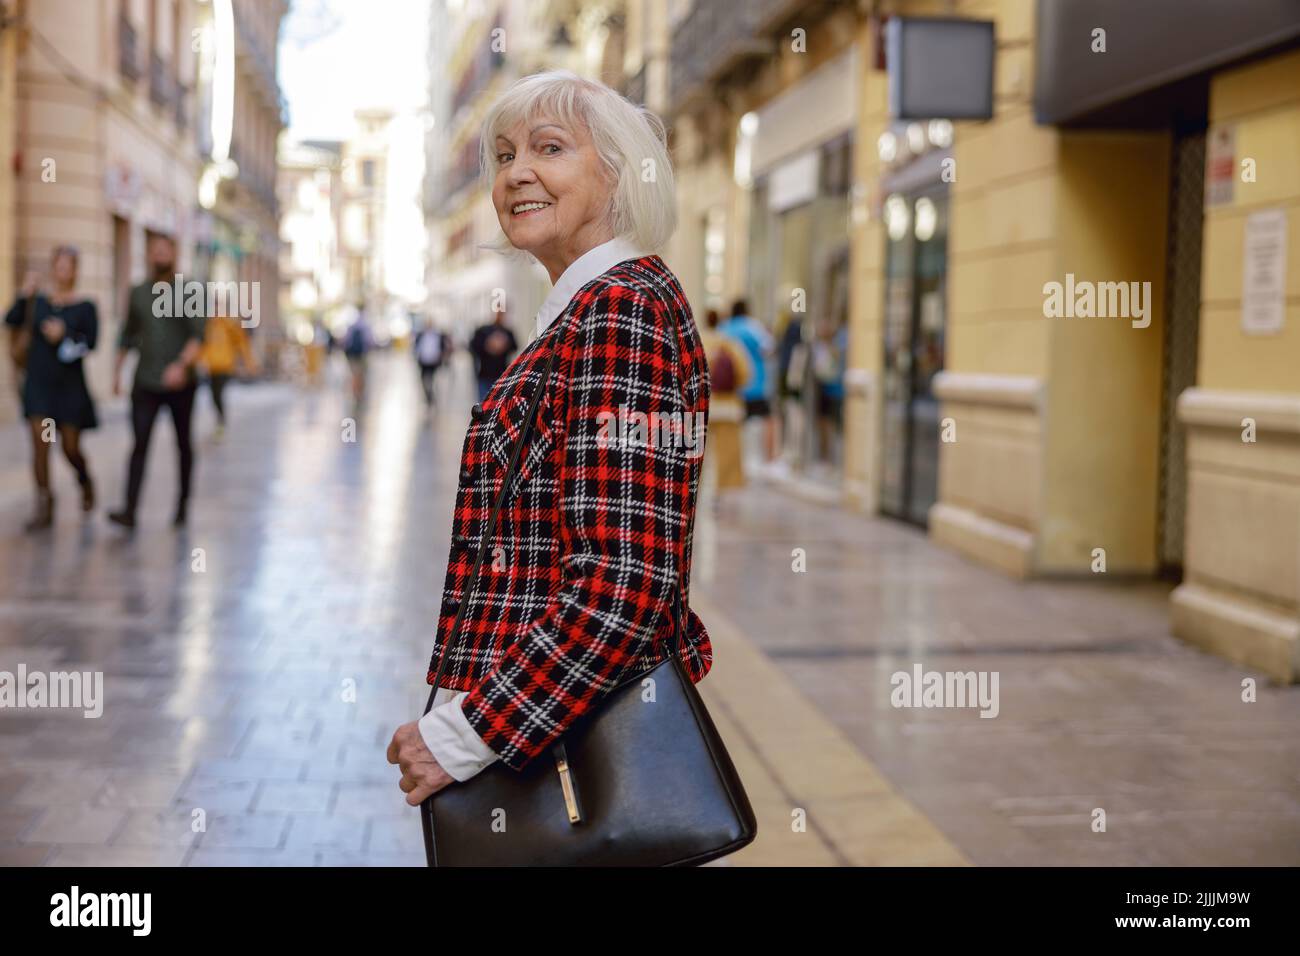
(642, 780)
(21, 343)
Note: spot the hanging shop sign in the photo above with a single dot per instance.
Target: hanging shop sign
(940, 68)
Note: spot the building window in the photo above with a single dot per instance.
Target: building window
(715, 250)
(127, 56)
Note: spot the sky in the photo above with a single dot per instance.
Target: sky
(337, 56)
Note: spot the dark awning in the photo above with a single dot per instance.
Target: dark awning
(1151, 45)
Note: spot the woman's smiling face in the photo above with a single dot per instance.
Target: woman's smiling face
(551, 191)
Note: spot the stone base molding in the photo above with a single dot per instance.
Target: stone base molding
(1241, 595)
(1248, 634)
(990, 542)
(861, 413)
(990, 476)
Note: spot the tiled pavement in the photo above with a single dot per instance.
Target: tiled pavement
(322, 561)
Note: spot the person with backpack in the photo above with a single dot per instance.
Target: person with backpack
(730, 371)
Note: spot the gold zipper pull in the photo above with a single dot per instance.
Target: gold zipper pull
(566, 785)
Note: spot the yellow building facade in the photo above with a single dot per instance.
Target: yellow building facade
(1241, 596)
(1062, 446)
(101, 120)
(1098, 442)
(8, 111)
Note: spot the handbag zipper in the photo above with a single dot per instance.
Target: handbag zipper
(566, 786)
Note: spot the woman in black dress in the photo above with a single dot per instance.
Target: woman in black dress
(59, 329)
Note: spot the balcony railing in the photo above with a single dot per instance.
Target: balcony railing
(127, 62)
(252, 45)
(714, 38)
(478, 73)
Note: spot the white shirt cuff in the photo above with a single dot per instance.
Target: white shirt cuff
(452, 741)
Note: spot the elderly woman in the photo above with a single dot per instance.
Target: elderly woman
(594, 534)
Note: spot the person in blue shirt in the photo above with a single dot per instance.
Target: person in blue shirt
(760, 346)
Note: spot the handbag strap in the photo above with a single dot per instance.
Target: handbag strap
(679, 615)
(29, 313)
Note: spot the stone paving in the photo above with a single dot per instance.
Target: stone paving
(257, 662)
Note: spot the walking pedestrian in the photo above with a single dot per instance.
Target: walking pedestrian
(225, 352)
(432, 348)
(597, 534)
(49, 335)
(493, 345)
(169, 344)
(760, 345)
(730, 370)
(357, 343)
(791, 367)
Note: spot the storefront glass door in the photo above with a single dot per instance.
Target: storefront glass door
(916, 226)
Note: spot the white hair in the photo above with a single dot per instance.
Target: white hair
(630, 140)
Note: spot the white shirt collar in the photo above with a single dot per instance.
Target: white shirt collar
(592, 263)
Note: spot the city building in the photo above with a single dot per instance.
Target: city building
(1161, 441)
(131, 118)
(438, 94)
(486, 46)
(103, 143)
(313, 277)
(365, 181)
(242, 113)
(9, 40)
(1164, 439)
(763, 103)
(645, 45)
(381, 228)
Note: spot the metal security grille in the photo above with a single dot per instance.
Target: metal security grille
(1182, 323)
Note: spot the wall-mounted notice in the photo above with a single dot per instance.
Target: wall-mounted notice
(1263, 273)
(1220, 165)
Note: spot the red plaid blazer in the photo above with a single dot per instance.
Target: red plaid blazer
(576, 592)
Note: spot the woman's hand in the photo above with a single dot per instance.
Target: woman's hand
(422, 775)
(53, 330)
(31, 282)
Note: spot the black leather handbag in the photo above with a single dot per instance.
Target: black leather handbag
(642, 780)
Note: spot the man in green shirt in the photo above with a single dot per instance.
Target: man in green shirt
(169, 344)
